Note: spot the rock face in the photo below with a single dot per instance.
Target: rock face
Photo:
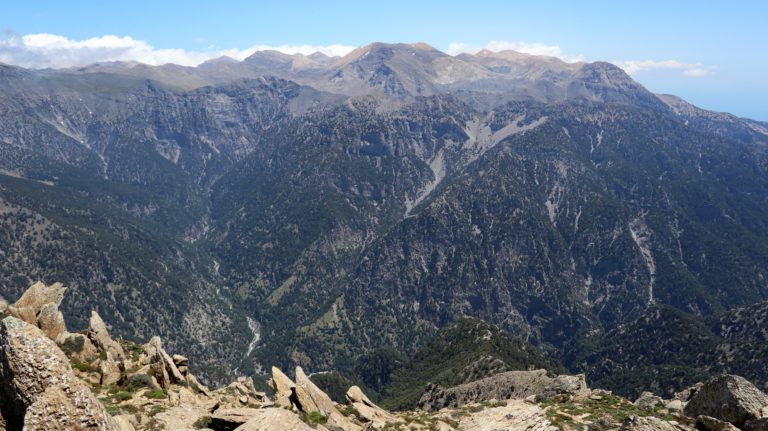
(38, 388)
(39, 306)
(503, 386)
(728, 398)
(635, 423)
(516, 415)
(161, 365)
(283, 387)
(274, 419)
(372, 413)
(511, 384)
(311, 399)
(709, 423)
(229, 419)
(565, 387)
(99, 335)
(647, 400)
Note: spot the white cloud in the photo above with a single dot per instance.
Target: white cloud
(456, 48)
(632, 67)
(50, 50)
(695, 70)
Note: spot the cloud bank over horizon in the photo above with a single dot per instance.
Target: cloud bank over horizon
(44, 50)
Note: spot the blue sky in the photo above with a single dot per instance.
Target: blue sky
(710, 53)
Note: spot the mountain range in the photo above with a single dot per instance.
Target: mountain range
(308, 210)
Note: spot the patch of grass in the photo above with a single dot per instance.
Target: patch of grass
(83, 366)
(132, 350)
(157, 394)
(351, 411)
(155, 410)
(202, 422)
(314, 418)
(572, 414)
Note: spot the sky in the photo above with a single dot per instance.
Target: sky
(712, 53)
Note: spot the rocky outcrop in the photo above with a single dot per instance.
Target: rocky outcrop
(647, 400)
(99, 335)
(311, 399)
(508, 385)
(369, 411)
(563, 388)
(109, 370)
(79, 347)
(504, 386)
(38, 387)
(708, 423)
(515, 415)
(636, 423)
(39, 306)
(161, 365)
(274, 419)
(728, 398)
(229, 419)
(245, 392)
(283, 387)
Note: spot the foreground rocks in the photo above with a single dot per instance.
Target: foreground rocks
(39, 390)
(502, 386)
(728, 398)
(51, 379)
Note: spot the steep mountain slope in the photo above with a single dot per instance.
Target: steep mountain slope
(339, 205)
(466, 351)
(578, 224)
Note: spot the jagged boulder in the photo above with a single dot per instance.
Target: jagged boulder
(245, 392)
(196, 386)
(648, 400)
(78, 346)
(311, 399)
(372, 413)
(161, 365)
(110, 371)
(685, 395)
(649, 423)
(565, 387)
(728, 398)
(51, 321)
(38, 389)
(274, 419)
(39, 306)
(229, 419)
(182, 363)
(34, 298)
(283, 388)
(99, 335)
(707, 423)
(515, 415)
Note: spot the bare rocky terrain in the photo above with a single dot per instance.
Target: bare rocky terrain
(52, 379)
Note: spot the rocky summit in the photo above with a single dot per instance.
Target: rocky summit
(119, 385)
